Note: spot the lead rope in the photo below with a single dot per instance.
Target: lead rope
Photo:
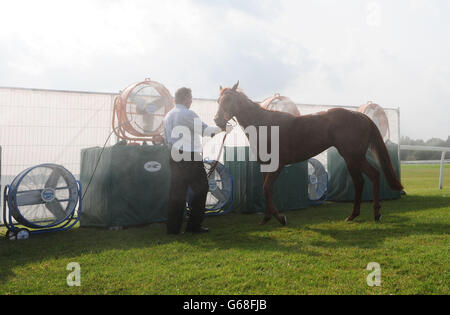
(213, 168)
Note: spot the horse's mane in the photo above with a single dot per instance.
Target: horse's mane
(238, 90)
(241, 93)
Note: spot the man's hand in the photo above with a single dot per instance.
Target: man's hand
(213, 131)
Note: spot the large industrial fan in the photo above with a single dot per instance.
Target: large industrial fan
(281, 104)
(42, 198)
(139, 111)
(317, 182)
(378, 116)
(219, 200)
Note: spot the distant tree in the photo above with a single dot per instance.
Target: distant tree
(422, 155)
(435, 142)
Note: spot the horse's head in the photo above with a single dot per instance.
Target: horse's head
(227, 105)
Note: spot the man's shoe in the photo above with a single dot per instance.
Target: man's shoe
(197, 230)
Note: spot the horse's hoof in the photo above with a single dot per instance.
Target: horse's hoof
(378, 218)
(283, 220)
(264, 221)
(350, 219)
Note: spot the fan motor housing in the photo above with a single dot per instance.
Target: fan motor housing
(48, 195)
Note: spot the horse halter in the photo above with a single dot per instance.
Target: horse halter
(213, 168)
(221, 109)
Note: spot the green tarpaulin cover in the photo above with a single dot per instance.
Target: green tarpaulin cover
(130, 186)
(340, 184)
(290, 190)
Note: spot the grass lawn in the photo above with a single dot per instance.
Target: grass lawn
(317, 253)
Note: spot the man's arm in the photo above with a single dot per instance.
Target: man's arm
(207, 131)
(210, 131)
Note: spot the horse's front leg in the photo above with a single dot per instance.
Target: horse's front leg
(269, 181)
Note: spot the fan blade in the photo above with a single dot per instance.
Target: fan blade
(213, 176)
(56, 209)
(28, 198)
(313, 195)
(52, 180)
(323, 180)
(217, 193)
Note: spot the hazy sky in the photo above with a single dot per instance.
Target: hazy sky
(347, 52)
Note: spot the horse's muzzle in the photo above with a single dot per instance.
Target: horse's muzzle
(221, 123)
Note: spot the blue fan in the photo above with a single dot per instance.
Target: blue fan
(220, 196)
(317, 182)
(42, 198)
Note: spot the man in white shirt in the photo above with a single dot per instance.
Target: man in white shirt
(183, 131)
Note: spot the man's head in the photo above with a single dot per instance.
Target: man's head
(184, 97)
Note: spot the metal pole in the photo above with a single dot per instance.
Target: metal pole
(441, 177)
(399, 142)
(2, 220)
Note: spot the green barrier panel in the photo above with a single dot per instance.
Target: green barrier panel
(290, 190)
(130, 186)
(340, 184)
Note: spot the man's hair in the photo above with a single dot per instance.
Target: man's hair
(181, 94)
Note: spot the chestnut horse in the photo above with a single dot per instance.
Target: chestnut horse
(301, 138)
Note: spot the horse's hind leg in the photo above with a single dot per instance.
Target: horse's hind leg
(269, 181)
(358, 182)
(374, 177)
(268, 213)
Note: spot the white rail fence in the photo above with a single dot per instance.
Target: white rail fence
(426, 162)
(434, 149)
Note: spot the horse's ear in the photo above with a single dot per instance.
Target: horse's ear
(235, 86)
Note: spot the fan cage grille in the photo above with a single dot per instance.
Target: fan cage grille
(27, 204)
(220, 188)
(139, 111)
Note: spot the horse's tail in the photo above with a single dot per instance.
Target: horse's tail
(378, 145)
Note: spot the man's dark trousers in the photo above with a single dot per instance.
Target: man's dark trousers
(184, 175)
